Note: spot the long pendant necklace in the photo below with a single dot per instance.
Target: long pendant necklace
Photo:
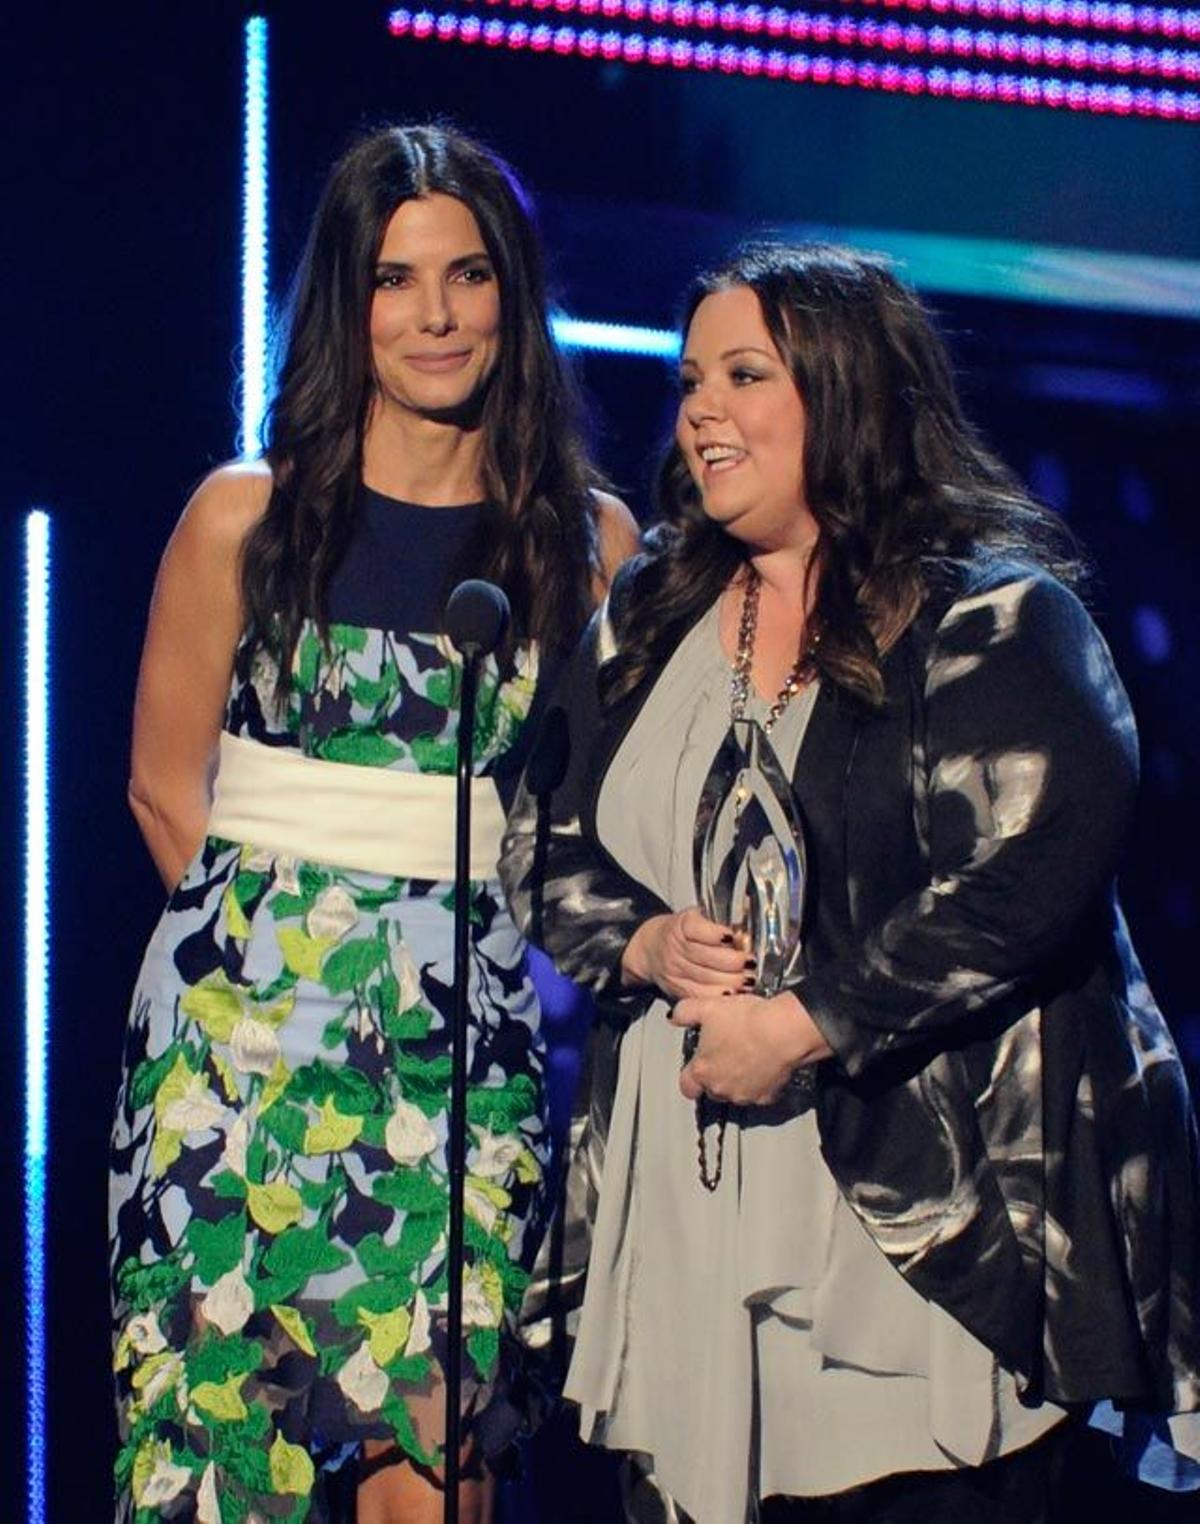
(739, 687)
(708, 1110)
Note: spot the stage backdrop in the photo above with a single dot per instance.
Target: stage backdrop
(1058, 243)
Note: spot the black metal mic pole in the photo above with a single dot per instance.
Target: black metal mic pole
(458, 1082)
(476, 616)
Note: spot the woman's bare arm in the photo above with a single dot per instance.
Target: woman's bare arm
(195, 622)
(619, 537)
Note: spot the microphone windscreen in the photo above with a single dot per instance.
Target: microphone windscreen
(551, 753)
(476, 617)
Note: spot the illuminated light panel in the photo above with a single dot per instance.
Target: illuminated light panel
(1120, 20)
(615, 338)
(36, 993)
(254, 237)
(1012, 271)
(1029, 48)
(1098, 98)
(1099, 16)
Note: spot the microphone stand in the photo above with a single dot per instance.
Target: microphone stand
(476, 615)
(457, 1151)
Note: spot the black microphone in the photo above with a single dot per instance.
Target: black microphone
(477, 616)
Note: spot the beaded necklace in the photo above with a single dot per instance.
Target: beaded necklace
(739, 687)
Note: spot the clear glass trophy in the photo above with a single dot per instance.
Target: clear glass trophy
(750, 862)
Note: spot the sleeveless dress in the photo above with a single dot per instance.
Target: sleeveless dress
(278, 1196)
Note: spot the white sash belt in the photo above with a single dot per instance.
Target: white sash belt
(378, 820)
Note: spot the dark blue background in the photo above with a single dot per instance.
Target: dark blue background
(120, 256)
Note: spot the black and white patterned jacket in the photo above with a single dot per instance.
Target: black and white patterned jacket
(1005, 1111)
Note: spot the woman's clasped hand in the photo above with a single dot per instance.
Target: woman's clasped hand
(749, 1046)
(684, 953)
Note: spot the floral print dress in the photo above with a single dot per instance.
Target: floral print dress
(279, 1191)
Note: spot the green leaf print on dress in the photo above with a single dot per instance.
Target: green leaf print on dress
(279, 1181)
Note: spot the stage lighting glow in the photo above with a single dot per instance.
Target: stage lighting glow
(36, 993)
(1124, 91)
(1123, 20)
(1152, 635)
(1100, 16)
(616, 338)
(1030, 48)
(254, 237)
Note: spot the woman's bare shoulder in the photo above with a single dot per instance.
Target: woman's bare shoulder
(617, 532)
(226, 506)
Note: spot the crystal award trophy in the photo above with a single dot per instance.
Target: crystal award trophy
(749, 859)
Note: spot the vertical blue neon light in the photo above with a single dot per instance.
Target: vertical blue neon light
(254, 238)
(37, 992)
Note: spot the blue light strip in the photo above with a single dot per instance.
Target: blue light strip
(37, 993)
(1030, 272)
(254, 238)
(949, 265)
(615, 338)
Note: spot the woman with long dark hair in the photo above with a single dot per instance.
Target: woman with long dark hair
(279, 1177)
(887, 1156)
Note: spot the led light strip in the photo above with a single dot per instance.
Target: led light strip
(1123, 20)
(254, 238)
(1098, 99)
(1032, 49)
(1097, 16)
(615, 338)
(37, 993)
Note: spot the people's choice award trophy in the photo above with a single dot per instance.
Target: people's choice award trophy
(749, 853)
(750, 872)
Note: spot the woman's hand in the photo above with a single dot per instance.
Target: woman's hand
(749, 1046)
(685, 954)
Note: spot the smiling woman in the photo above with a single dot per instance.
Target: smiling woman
(741, 424)
(435, 314)
(868, 1161)
(279, 1165)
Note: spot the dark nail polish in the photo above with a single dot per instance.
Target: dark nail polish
(751, 963)
(727, 939)
(726, 992)
(747, 983)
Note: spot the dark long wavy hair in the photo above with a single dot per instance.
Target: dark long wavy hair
(897, 479)
(537, 535)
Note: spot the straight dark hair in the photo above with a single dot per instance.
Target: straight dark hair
(537, 535)
(896, 477)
